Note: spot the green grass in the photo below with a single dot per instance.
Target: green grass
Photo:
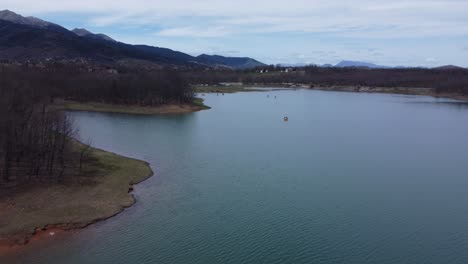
(197, 105)
(102, 192)
(199, 102)
(243, 88)
(223, 89)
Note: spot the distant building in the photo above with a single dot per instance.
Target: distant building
(230, 83)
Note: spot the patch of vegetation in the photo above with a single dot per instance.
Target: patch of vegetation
(101, 191)
(223, 89)
(443, 80)
(199, 102)
(197, 105)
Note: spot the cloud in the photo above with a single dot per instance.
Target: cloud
(364, 18)
(394, 32)
(194, 32)
(232, 52)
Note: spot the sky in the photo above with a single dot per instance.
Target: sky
(394, 33)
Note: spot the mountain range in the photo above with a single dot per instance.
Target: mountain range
(359, 64)
(85, 33)
(33, 39)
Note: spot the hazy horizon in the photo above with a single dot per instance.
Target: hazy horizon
(424, 33)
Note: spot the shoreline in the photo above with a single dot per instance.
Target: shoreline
(166, 109)
(336, 88)
(245, 88)
(394, 90)
(61, 208)
(30, 232)
(131, 172)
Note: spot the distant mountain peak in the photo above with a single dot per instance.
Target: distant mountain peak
(347, 63)
(82, 32)
(449, 67)
(232, 62)
(11, 16)
(7, 12)
(7, 15)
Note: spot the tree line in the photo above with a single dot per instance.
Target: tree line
(135, 88)
(34, 139)
(36, 144)
(448, 80)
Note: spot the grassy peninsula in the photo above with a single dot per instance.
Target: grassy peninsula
(45, 183)
(196, 105)
(102, 191)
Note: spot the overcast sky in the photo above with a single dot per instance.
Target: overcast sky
(397, 32)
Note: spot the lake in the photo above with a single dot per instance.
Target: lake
(351, 178)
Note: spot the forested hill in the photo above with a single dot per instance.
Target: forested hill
(33, 39)
(233, 62)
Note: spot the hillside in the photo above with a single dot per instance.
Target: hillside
(234, 62)
(33, 39)
(359, 64)
(85, 33)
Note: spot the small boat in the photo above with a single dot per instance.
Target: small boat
(286, 119)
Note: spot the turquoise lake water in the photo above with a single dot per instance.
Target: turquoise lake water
(351, 178)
